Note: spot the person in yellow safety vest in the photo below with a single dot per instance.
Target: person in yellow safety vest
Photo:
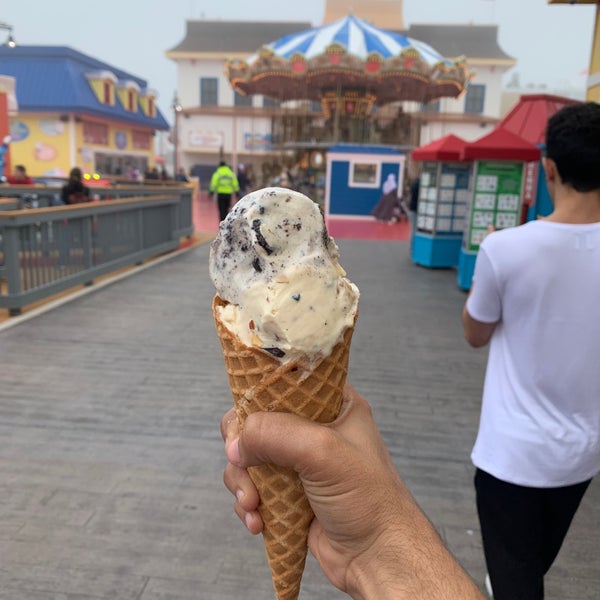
(224, 183)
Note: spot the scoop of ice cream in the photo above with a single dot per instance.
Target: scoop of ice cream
(277, 267)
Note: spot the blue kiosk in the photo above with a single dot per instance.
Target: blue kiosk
(443, 199)
(355, 175)
(500, 160)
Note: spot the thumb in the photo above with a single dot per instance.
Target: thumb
(283, 439)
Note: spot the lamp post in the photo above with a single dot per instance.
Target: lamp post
(176, 110)
(10, 41)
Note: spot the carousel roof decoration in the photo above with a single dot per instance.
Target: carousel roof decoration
(349, 53)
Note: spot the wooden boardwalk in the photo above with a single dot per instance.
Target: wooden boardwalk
(111, 459)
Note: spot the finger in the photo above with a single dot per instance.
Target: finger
(292, 441)
(278, 438)
(251, 519)
(229, 425)
(238, 482)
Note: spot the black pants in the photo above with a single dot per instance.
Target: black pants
(224, 201)
(523, 529)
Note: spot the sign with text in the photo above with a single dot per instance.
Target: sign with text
(496, 201)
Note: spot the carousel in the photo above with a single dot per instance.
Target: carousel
(350, 79)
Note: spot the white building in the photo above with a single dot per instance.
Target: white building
(217, 123)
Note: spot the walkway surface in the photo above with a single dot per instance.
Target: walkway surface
(111, 459)
(206, 218)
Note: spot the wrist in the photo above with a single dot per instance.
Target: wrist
(408, 561)
(375, 576)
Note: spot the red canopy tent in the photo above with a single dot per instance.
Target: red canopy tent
(528, 118)
(448, 148)
(501, 144)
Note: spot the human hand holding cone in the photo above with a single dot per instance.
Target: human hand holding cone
(270, 350)
(259, 382)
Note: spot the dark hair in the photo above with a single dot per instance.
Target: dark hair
(222, 163)
(573, 143)
(21, 169)
(75, 176)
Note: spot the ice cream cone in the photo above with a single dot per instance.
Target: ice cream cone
(260, 382)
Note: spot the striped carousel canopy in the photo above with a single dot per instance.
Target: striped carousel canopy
(349, 54)
(359, 37)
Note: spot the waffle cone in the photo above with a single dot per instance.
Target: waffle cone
(259, 382)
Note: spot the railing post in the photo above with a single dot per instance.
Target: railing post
(12, 265)
(173, 214)
(140, 222)
(87, 245)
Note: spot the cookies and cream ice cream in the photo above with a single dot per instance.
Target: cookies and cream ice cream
(285, 314)
(277, 268)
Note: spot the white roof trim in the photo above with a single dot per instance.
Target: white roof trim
(98, 75)
(129, 84)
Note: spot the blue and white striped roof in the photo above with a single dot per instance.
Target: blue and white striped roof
(357, 36)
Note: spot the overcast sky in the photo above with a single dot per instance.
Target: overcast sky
(551, 43)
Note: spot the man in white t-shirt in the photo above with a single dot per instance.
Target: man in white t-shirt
(536, 299)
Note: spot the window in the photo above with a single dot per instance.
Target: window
(431, 107)
(107, 92)
(315, 106)
(240, 100)
(95, 133)
(151, 108)
(131, 100)
(141, 140)
(270, 102)
(364, 174)
(474, 99)
(209, 87)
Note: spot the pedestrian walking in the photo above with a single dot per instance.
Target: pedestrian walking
(224, 184)
(535, 300)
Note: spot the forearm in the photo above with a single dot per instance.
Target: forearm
(410, 562)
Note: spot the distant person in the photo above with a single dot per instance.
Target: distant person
(413, 205)
(224, 184)
(286, 179)
(243, 180)
(387, 208)
(181, 176)
(3, 151)
(74, 191)
(152, 173)
(19, 176)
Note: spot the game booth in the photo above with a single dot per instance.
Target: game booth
(443, 199)
(501, 165)
(528, 119)
(355, 176)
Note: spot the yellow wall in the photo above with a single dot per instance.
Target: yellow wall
(46, 145)
(593, 92)
(40, 143)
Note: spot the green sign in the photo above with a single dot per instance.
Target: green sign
(496, 200)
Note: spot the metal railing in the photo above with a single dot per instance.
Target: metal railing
(43, 196)
(44, 251)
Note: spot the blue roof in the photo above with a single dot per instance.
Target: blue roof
(364, 149)
(53, 78)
